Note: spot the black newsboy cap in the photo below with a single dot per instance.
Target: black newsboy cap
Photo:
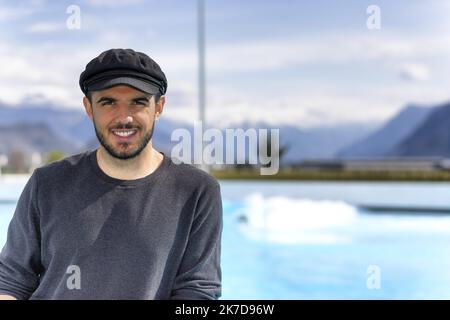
(123, 66)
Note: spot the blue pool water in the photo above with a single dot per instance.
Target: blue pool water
(412, 254)
(308, 240)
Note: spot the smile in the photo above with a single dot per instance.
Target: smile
(124, 133)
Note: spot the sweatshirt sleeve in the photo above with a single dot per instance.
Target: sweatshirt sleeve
(199, 276)
(20, 262)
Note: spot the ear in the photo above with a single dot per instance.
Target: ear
(88, 107)
(159, 107)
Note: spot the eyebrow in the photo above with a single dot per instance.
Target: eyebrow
(146, 98)
(102, 99)
(106, 99)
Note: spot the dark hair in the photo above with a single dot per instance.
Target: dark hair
(89, 96)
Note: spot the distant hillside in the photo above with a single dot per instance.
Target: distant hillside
(312, 143)
(73, 125)
(431, 138)
(380, 142)
(321, 142)
(31, 137)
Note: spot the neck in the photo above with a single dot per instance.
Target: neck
(130, 169)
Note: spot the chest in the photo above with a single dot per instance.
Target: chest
(110, 224)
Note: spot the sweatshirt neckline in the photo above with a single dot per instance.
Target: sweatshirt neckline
(127, 183)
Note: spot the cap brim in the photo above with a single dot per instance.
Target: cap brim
(132, 82)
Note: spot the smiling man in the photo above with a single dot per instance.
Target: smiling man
(122, 221)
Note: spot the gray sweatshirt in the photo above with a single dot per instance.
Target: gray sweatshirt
(78, 233)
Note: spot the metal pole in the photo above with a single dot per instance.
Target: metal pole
(201, 69)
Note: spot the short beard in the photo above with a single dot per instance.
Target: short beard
(125, 155)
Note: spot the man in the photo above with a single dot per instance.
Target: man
(123, 221)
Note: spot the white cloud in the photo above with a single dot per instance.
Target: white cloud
(32, 73)
(13, 13)
(18, 94)
(114, 38)
(358, 98)
(414, 72)
(320, 49)
(308, 109)
(305, 111)
(112, 3)
(18, 69)
(45, 27)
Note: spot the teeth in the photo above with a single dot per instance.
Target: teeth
(123, 133)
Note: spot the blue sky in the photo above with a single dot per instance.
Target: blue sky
(304, 63)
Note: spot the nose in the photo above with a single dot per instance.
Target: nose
(128, 119)
(124, 120)
(124, 116)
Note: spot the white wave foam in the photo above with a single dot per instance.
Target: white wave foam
(285, 220)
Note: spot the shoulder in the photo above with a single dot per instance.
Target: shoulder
(64, 167)
(200, 188)
(192, 177)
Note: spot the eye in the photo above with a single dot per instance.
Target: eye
(140, 102)
(107, 103)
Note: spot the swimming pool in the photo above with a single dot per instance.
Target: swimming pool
(285, 240)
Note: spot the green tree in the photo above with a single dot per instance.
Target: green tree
(53, 156)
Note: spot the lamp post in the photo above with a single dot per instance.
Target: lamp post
(201, 71)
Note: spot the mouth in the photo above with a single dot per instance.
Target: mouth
(124, 135)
